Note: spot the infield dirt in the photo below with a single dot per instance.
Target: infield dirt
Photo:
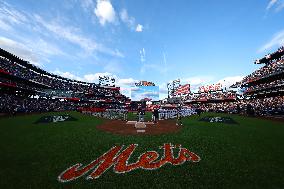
(121, 128)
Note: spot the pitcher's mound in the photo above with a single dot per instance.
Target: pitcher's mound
(128, 128)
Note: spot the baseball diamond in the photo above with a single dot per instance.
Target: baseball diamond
(141, 94)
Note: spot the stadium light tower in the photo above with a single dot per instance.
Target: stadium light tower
(172, 86)
(169, 86)
(106, 81)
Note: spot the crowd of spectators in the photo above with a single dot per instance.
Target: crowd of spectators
(20, 71)
(50, 90)
(101, 94)
(266, 86)
(270, 56)
(4, 81)
(260, 106)
(276, 66)
(10, 103)
(94, 96)
(50, 85)
(216, 95)
(266, 106)
(19, 85)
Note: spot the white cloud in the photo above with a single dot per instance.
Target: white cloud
(113, 66)
(19, 49)
(125, 84)
(150, 93)
(165, 68)
(11, 17)
(277, 4)
(139, 28)
(129, 20)
(18, 23)
(135, 89)
(73, 35)
(35, 53)
(163, 90)
(229, 81)
(94, 78)
(45, 48)
(142, 55)
(67, 33)
(67, 75)
(276, 41)
(161, 68)
(164, 59)
(271, 3)
(87, 4)
(128, 81)
(197, 81)
(125, 91)
(5, 26)
(9, 14)
(105, 12)
(280, 7)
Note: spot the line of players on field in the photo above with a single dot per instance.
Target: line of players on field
(157, 114)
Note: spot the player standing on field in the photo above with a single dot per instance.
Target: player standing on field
(178, 123)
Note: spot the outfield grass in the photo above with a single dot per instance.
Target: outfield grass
(247, 155)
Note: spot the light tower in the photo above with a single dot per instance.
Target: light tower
(172, 86)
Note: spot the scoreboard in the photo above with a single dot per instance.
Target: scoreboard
(145, 83)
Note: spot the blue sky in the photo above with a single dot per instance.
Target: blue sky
(199, 42)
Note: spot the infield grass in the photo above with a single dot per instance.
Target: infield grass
(245, 155)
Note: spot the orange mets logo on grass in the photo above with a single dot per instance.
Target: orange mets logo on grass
(118, 158)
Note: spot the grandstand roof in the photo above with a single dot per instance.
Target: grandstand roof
(26, 64)
(269, 57)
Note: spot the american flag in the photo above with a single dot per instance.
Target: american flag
(182, 90)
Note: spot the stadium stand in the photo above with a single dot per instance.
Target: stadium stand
(27, 88)
(264, 88)
(262, 91)
(212, 96)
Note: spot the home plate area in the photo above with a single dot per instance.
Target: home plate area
(139, 128)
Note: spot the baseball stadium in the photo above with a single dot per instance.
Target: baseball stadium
(146, 125)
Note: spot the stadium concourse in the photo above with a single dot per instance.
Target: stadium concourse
(25, 88)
